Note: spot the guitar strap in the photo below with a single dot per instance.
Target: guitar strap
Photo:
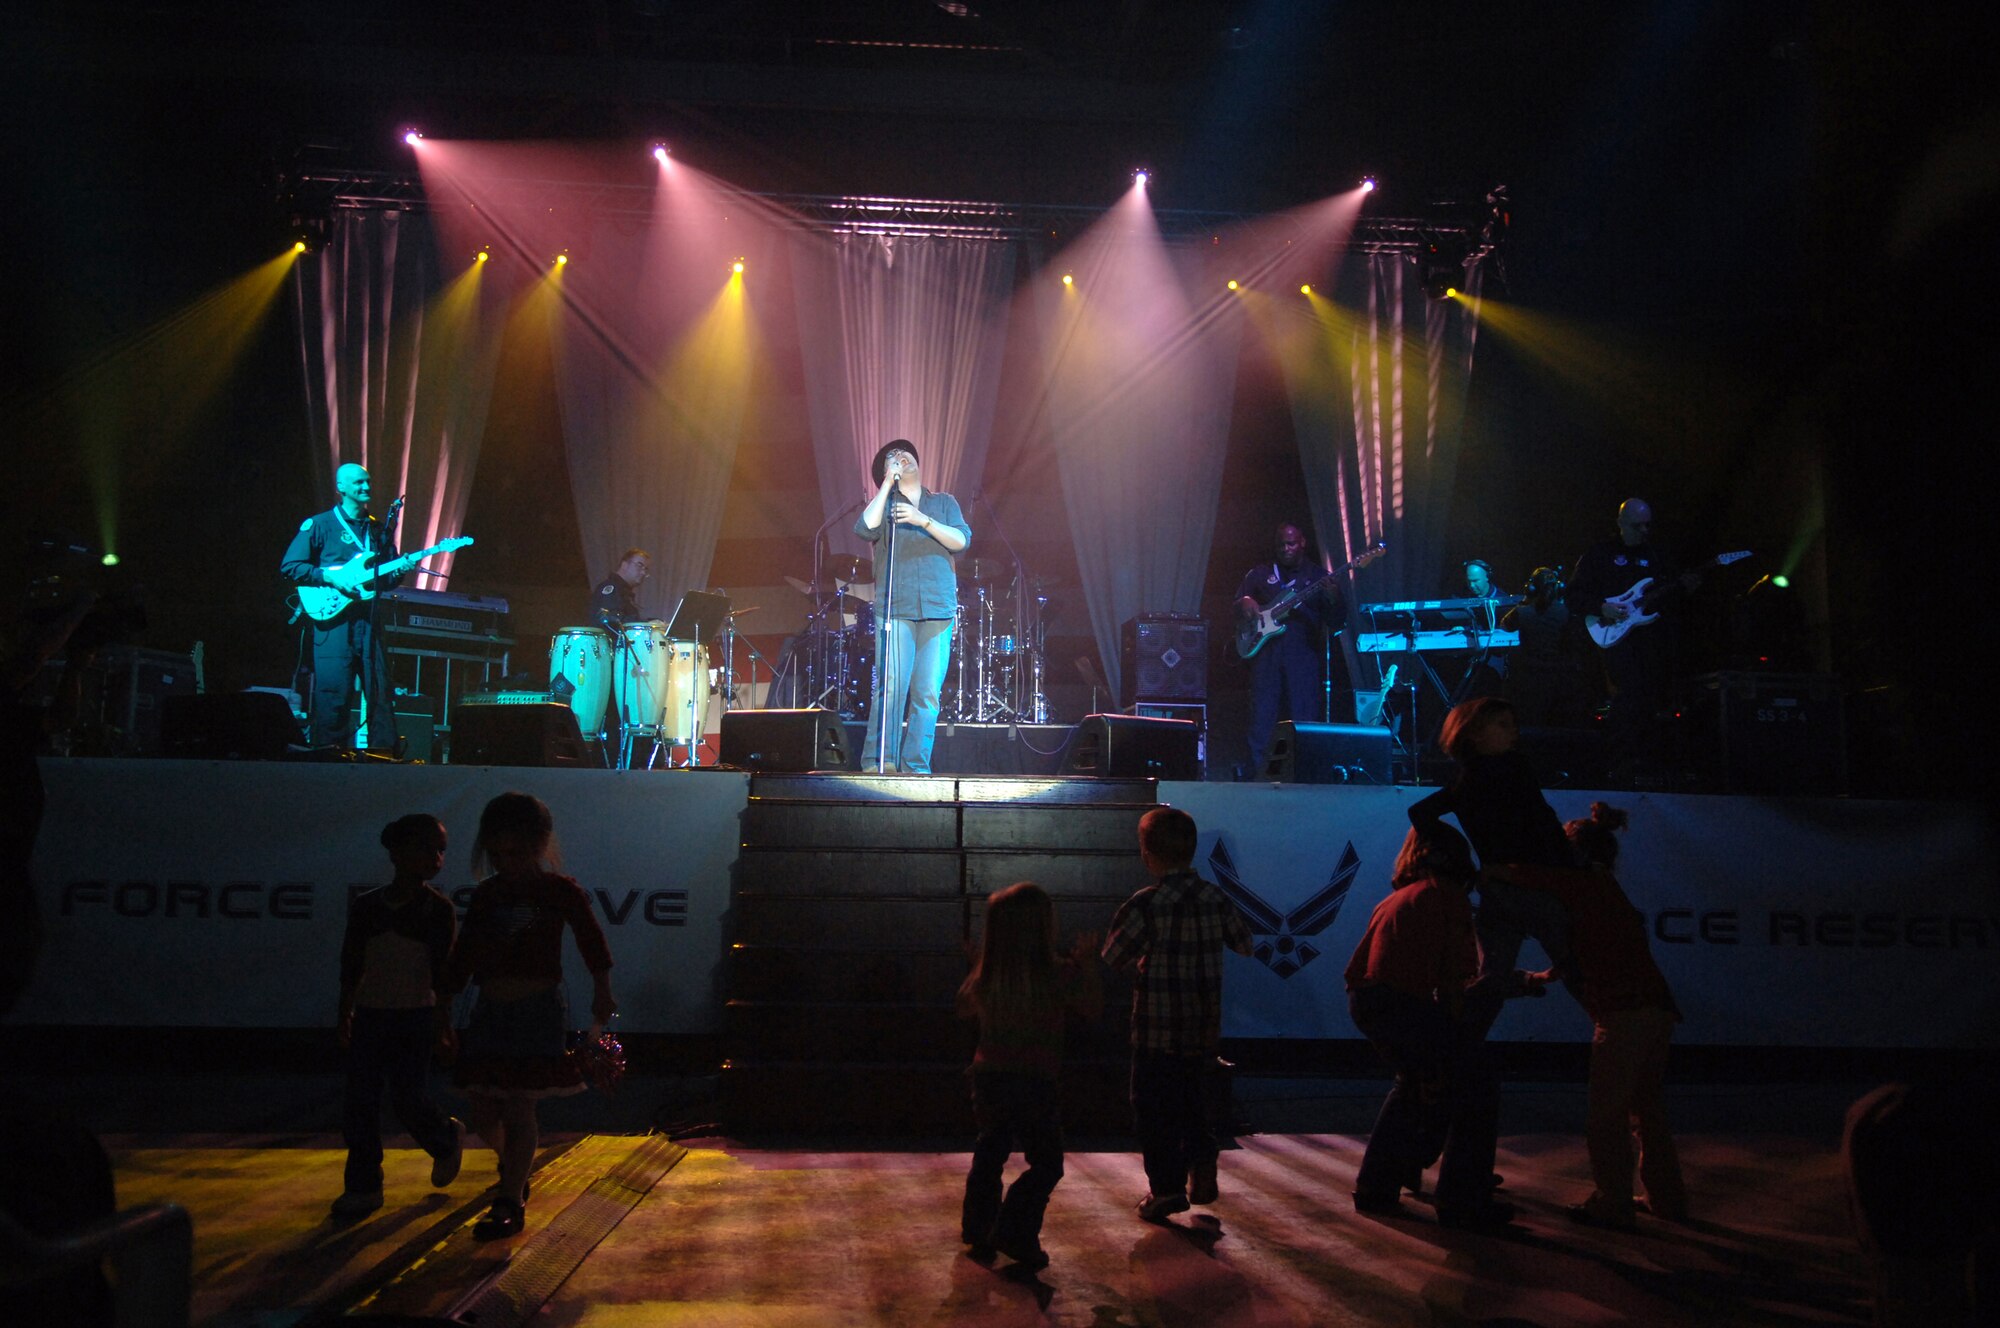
(360, 541)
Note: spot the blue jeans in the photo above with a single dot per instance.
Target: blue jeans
(1013, 1110)
(1170, 1116)
(1445, 1089)
(909, 679)
(389, 1048)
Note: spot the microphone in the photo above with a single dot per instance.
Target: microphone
(397, 506)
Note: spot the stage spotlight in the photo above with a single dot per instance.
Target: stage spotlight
(562, 260)
(298, 246)
(1142, 177)
(1782, 582)
(1368, 184)
(413, 136)
(1441, 264)
(481, 256)
(660, 153)
(1233, 284)
(1306, 289)
(1068, 280)
(109, 560)
(737, 267)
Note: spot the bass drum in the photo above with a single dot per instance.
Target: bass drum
(687, 693)
(639, 683)
(580, 664)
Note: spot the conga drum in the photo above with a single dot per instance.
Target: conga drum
(639, 683)
(687, 693)
(580, 664)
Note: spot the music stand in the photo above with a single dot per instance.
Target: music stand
(699, 617)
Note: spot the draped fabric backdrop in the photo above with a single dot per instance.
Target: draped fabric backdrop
(1141, 383)
(653, 378)
(921, 326)
(1379, 438)
(398, 372)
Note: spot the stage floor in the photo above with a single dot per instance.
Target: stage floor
(740, 1235)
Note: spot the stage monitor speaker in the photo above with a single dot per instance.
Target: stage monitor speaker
(1132, 747)
(1328, 754)
(542, 733)
(785, 741)
(417, 730)
(229, 726)
(1165, 658)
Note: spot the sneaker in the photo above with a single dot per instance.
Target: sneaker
(1030, 1256)
(444, 1167)
(1201, 1182)
(505, 1218)
(357, 1203)
(1365, 1202)
(1485, 1216)
(1158, 1207)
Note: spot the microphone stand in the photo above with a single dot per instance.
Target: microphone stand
(885, 599)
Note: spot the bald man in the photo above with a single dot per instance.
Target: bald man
(1637, 667)
(345, 647)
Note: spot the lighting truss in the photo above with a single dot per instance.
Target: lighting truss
(325, 191)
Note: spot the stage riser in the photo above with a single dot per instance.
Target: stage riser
(1064, 876)
(1064, 829)
(782, 973)
(858, 924)
(832, 872)
(826, 787)
(850, 825)
(799, 1032)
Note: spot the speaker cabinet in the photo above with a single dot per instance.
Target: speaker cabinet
(1131, 747)
(228, 726)
(785, 741)
(1328, 754)
(541, 733)
(1165, 658)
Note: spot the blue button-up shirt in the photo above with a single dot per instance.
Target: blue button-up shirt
(926, 575)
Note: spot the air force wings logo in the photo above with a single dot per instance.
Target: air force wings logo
(1281, 943)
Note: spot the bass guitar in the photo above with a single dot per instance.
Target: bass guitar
(321, 603)
(1642, 604)
(1269, 622)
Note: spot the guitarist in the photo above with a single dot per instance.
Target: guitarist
(347, 645)
(1288, 672)
(1637, 664)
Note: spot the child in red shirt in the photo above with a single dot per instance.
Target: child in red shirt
(1614, 978)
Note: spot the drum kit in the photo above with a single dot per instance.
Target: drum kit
(996, 673)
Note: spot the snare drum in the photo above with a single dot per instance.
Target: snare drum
(639, 683)
(581, 658)
(687, 693)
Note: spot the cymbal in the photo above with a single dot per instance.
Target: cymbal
(800, 584)
(860, 591)
(852, 571)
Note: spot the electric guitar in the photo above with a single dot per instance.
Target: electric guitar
(321, 603)
(1642, 605)
(1252, 633)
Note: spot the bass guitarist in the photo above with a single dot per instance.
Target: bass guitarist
(1637, 665)
(347, 645)
(1287, 671)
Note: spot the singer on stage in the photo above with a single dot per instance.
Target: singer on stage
(929, 533)
(346, 646)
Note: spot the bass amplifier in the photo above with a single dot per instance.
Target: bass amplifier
(1164, 658)
(1772, 732)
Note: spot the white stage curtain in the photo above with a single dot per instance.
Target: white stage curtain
(1379, 438)
(399, 362)
(653, 376)
(902, 337)
(1141, 376)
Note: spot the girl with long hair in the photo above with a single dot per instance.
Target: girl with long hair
(1020, 992)
(513, 1053)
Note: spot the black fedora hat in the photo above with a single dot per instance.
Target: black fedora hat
(881, 460)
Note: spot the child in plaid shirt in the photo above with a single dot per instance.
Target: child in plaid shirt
(1171, 936)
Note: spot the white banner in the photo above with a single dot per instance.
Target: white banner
(1779, 922)
(214, 894)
